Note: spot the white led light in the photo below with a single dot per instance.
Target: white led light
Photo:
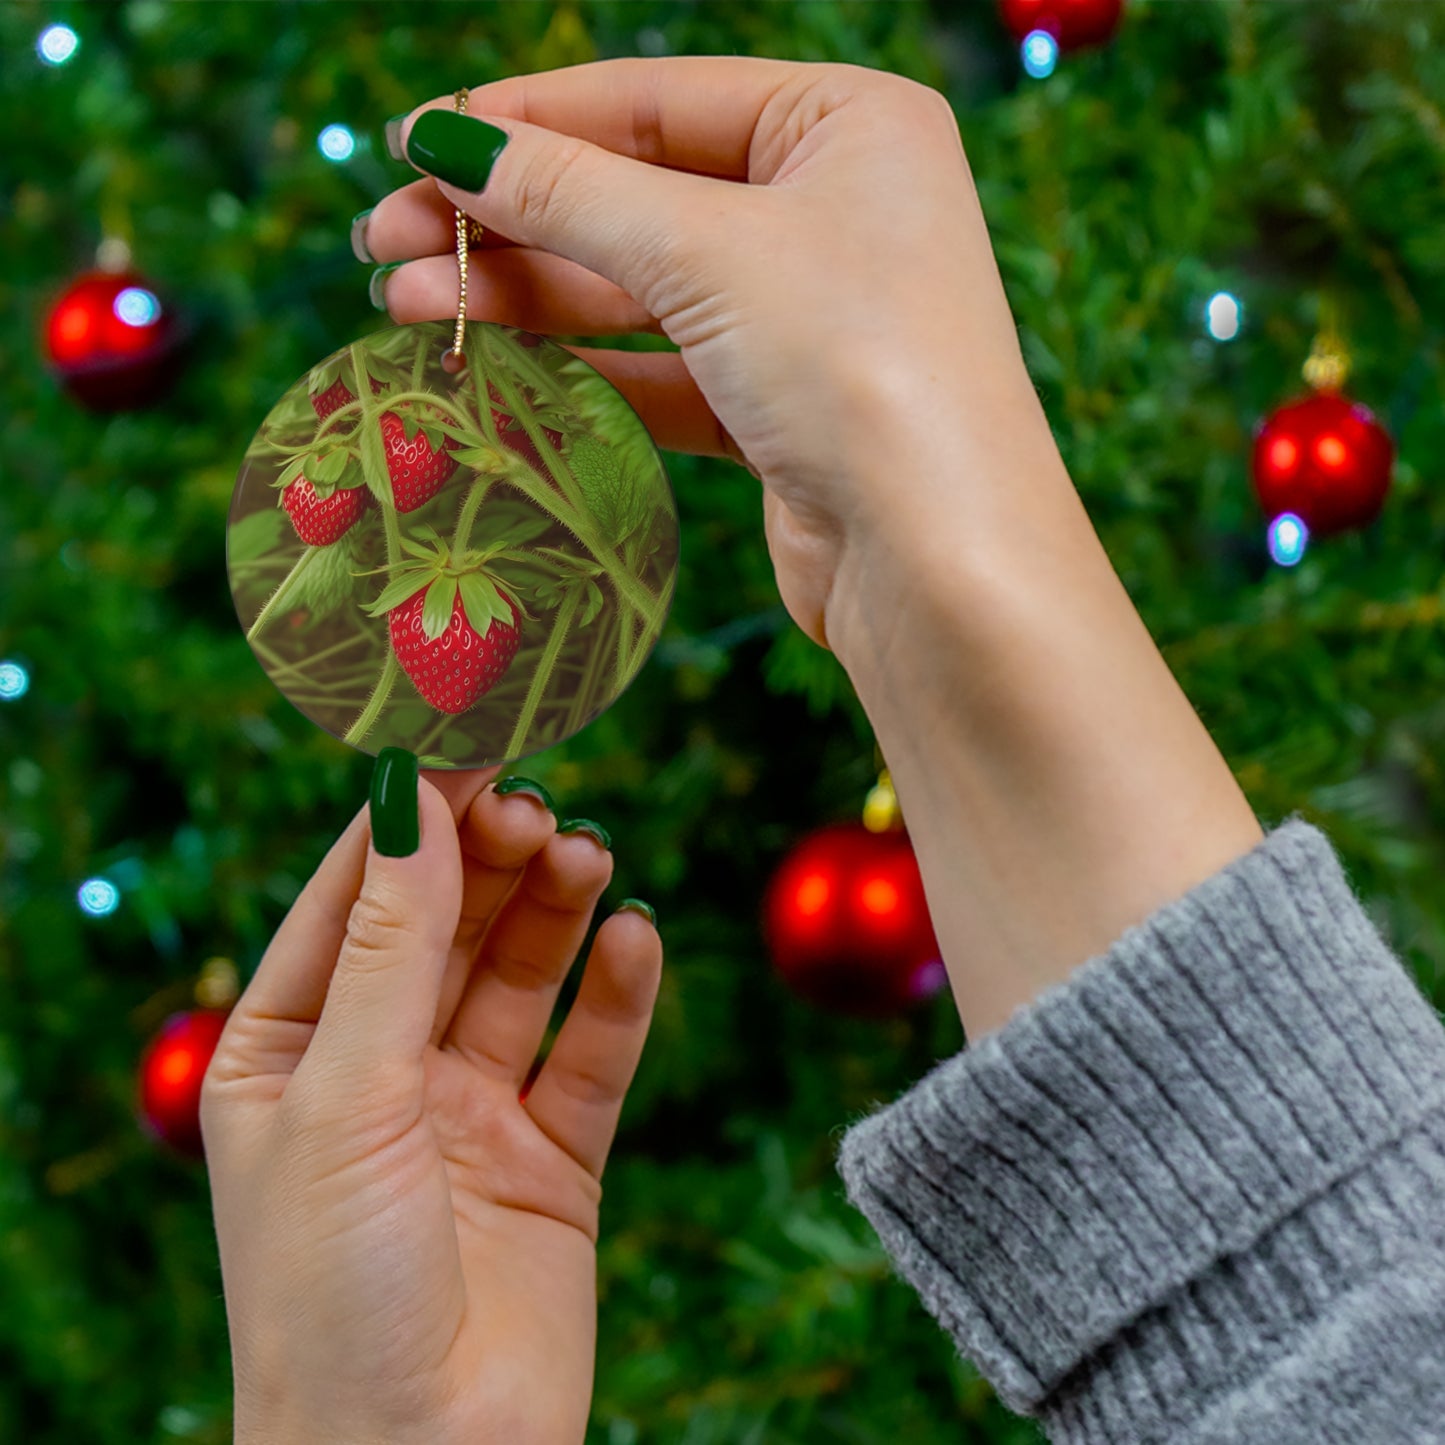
(1223, 316)
(14, 681)
(336, 143)
(98, 897)
(57, 44)
(1288, 537)
(1040, 53)
(137, 307)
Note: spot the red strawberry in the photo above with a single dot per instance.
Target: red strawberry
(417, 472)
(320, 522)
(336, 396)
(461, 665)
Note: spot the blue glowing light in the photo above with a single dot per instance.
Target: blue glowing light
(1040, 53)
(137, 307)
(1223, 316)
(1288, 538)
(98, 897)
(57, 44)
(14, 681)
(336, 143)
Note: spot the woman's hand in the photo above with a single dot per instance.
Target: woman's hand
(843, 303)
(810, 237)
(408, 1248)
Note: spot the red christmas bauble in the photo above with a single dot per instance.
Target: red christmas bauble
(171, 1072)
(847, 924)
(1073, 23)
(1324, 458)
(112, 341)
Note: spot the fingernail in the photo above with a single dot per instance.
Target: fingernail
(455, 148)
(376, 289)
(359, 248)
(636, 905)
(586, 825)
(393, 137)
(395, 821)
(515, 784)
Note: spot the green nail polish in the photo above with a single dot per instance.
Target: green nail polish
(393, 136)
(515, 784)
(359, 248)
(395, 824)
(455, 148)
(376, 289)
(636, 905)
(586, 825)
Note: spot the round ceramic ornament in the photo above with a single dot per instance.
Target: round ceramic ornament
(467, 551)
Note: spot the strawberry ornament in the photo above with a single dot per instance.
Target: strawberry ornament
(453, 628)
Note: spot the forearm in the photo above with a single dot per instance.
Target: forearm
(1057, 785)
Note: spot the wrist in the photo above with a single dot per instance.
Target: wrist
(1056, 783)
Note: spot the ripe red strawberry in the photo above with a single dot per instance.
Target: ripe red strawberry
(461, 665)
(320, 522)
(417, 472)
(336, 396)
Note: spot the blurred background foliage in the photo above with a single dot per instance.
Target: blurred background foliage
(1288, 153)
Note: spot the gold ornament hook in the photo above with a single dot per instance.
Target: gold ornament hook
(469, 233)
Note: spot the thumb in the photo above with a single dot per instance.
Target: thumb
(634, 224)
(382, 1000)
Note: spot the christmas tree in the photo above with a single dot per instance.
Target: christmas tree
(1179, 213)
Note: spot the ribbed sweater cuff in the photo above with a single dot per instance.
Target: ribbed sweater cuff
(1147, 1163)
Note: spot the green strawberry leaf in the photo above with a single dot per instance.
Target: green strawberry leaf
(594, 603)
(326, 583)
(414, 548)
(433, 434)
(401, 589)
(291, 471)
(436, 611)
(327, 466)
(481, 602)
(253, 537)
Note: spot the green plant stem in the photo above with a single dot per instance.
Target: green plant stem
(278, 667)
(625, 583)
(278, 598)
(561, 625)
(582, 699)
(475, 497)
(357, 732)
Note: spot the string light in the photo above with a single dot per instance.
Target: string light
(98, 897)
(57, 44)
(336, 143)
(1040, 52)
(1223, 316)
(14, 681)
(136, 306)
(1288, 538)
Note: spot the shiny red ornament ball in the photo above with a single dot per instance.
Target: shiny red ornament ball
(1324, 458)
(112, 341)
(847, 924)
(171, 1072)
(1073, 23)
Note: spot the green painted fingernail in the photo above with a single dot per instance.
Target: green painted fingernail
(359, 248)
(395, 820)
(515, 784)
(377, 287)
(455, 148)
(393, 136)
(586, 825)
(636, 905)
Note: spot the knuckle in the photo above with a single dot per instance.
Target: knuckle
(374, 934)
(542, 187)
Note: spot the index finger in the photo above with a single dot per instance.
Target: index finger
(695, 113)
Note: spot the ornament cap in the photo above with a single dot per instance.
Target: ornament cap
(1328, 365)
(881, 813)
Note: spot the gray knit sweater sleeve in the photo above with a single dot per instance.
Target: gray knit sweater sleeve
(1195, 1193)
